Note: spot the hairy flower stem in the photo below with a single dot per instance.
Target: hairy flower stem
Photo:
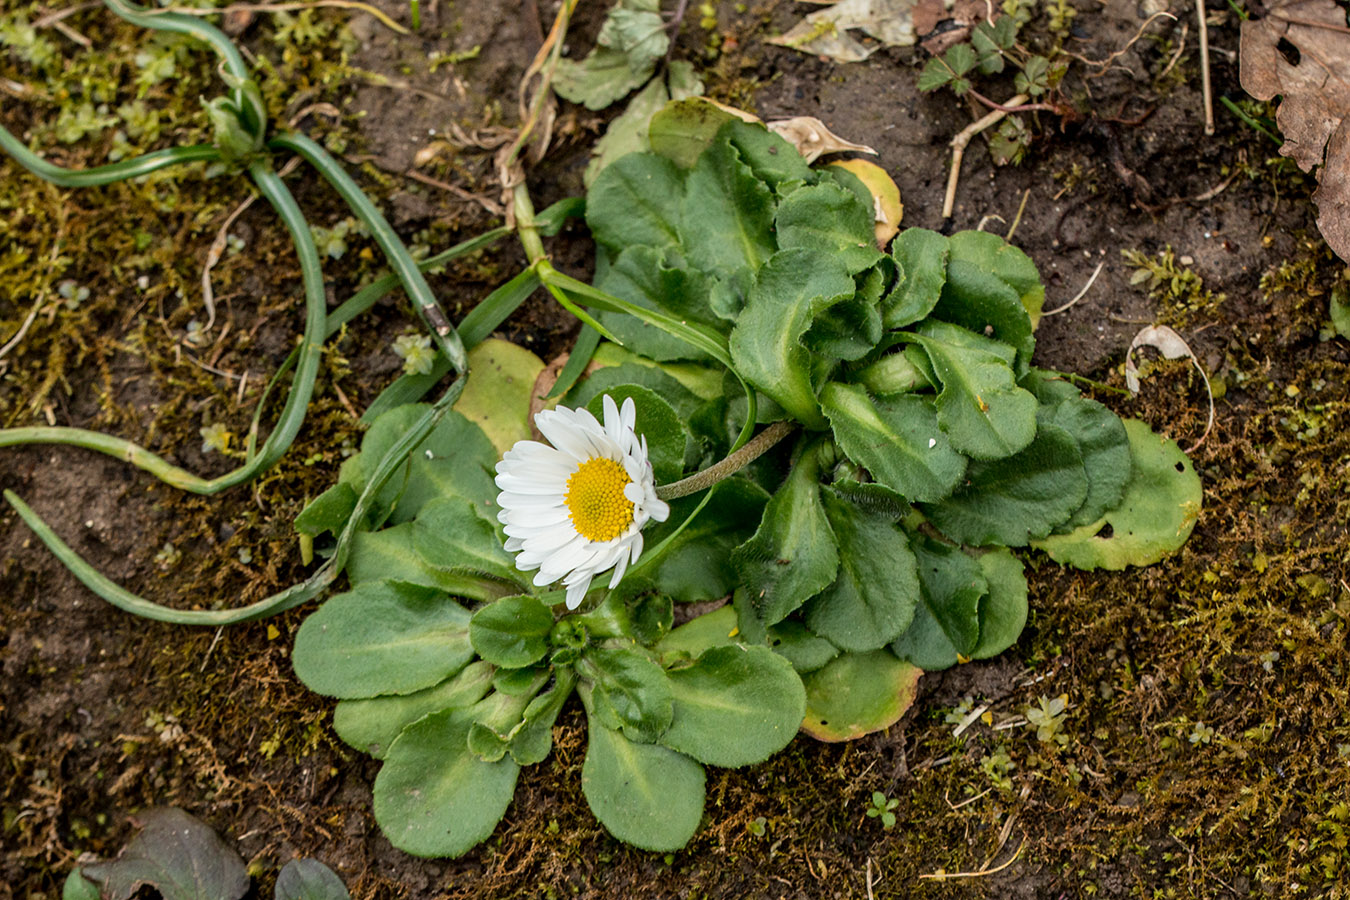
(753, 449)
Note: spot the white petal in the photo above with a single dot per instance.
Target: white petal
(577, 592)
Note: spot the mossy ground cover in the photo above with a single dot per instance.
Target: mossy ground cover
(1203, 746)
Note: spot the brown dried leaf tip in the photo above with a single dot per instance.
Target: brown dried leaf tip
(1301, 50)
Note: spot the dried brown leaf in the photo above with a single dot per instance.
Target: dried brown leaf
(825, 33)
(812, 139)
(1314, 114)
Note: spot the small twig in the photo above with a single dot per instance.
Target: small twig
(213, 256)
(981, 873)
(215, 640)
(284, 7)
(1017, 219)
(970, 719)
(23, 329)
(58, 15)
(1204, 67)
(1079, 296)
(1102, 64)
(966, 802)
(1176, 55)
(962, 140)
(491, 206)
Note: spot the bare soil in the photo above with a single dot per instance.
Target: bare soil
(103, 714)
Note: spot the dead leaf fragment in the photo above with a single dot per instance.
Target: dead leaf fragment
(1172, 346)
(825, 33)
(885, 196)
(1314, 114)
(812, 139)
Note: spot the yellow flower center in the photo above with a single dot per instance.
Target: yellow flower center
(595, 500)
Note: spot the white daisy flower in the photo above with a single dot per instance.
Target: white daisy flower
(577, 508)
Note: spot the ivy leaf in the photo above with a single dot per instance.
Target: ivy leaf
(433, 797)
(382, 638)
(735, 706)
(858, 694)
(178, 856)
(309, 879)
(644, 794)
(631, 41)
(896, 438)
(371, 725)
(794, 554)
(1013, 500)
(512, 632)
(872, 601)
(1159, 508)
(791, 290)
(629, 692)
(947, 623)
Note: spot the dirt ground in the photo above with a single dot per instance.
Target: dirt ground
(1206, 748)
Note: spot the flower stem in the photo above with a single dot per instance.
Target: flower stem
(738, 460)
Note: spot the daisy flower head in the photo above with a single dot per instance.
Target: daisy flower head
(577, 508)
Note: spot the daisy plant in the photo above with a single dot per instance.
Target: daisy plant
(831, 444)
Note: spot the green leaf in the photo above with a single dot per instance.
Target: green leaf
(644, 277)
(947, 623)
(371, 725)
(693, 638)
(1033, 80)
(630, 43)
(1003, 611)
(697, 566)
(1159, 508)
(726, 214)
(961, 58)
(794, 554)
(1339, 310)
(638, 370)
(985, 41)
(435, 798)
(735, 706)
(77, 887)
(897, 439)
(630, 692)
(980, 407)
(657, 422)
(792, 289)
(534, 739)
(309, 879)
(934, 75)
(828, 217)
(1105, 446)
(922, 258)
(804, 650)
(872, 601)
(512, 632)
(771, 158)
(382, 638)
(451, 536)
(176, 855)
(857, 694)
(390, 555)
(644, 794)
(996, 257)
(636, 201)
(1013, 500)
(629, 132)
(456, 460)
(327, 512)
(497, 397)
(685, 128)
